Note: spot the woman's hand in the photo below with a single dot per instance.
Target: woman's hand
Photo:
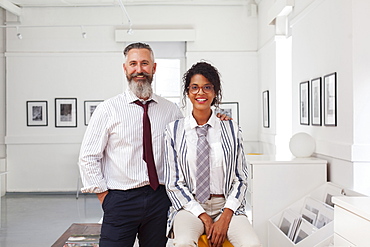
(207, 222)
(218, 231)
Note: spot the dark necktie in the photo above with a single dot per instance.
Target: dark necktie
(202, 173)
(148, 148)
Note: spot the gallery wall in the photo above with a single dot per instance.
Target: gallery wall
(328, 36)
(2, 89)
(55, 61)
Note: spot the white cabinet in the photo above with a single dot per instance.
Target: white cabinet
(276, 183)
(351, 221)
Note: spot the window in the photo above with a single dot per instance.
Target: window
(167, 81)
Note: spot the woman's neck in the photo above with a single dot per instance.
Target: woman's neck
(202, 116)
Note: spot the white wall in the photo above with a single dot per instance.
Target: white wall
(56, 62)
(267, 77)
(45, 158)
(361, 89)
(322, 44)
(2, 87)
(330, 36)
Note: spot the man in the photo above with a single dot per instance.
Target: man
(111, 157)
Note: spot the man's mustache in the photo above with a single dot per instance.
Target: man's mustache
(138, 74)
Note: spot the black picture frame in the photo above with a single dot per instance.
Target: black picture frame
(66, 112)
(316, 101)
(330, 99)
(266, 109)
(304, 103)
(230, 109)
(37, 113)
(89, 108)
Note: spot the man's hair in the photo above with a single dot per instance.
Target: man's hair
(138, 45)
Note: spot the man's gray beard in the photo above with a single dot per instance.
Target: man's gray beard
(142, 90)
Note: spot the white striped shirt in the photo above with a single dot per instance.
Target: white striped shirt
(111, 155)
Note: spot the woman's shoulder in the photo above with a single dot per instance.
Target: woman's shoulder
(229, 123)
(175, 125)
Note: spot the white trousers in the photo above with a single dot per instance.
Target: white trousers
(188, 228)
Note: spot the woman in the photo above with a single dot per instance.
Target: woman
(220, 214)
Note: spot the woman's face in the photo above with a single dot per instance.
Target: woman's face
(202, 99)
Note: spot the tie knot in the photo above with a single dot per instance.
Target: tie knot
(202, 130)
(145, 106)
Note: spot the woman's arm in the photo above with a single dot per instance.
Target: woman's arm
(175, 179)
(238, 171)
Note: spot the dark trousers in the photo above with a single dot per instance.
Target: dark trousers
(141, 212)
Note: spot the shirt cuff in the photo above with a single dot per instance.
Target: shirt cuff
(194, 208)
(232, 204)
(93, 189)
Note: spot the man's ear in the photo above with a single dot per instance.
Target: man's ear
(154, 68)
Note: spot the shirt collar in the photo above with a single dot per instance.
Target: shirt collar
(132, 97)
(211, 121)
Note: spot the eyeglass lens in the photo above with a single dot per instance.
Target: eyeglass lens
(195, 89)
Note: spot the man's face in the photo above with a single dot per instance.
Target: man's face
(139, 66)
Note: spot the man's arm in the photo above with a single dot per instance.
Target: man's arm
(223, 117)
(91, 153)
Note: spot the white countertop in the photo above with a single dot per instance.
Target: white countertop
(358, 205)
(258, 159)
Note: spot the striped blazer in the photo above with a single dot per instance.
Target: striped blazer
(177, 171)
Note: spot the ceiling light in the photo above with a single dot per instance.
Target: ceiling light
(129, 31)
(83, 33)
(19, 35)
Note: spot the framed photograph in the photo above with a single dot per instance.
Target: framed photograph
(330, 99)
(330, 192)
(304, 101)
(325, 216)
(90, 108)
(288, 221)
(65, 112)
(230, 109)
(316, 101)
(266, 109)
(309, 216)
(37, 113)
(304, 230)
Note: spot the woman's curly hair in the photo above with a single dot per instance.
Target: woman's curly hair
(210, 73)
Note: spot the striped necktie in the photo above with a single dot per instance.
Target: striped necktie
(202, 173)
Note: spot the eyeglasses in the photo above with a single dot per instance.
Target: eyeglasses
(194, 89)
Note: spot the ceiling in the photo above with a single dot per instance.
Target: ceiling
(55, 3)
(15, 6)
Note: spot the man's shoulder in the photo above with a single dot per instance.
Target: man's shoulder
(162, 100)
(166, 104)
(114, 99)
